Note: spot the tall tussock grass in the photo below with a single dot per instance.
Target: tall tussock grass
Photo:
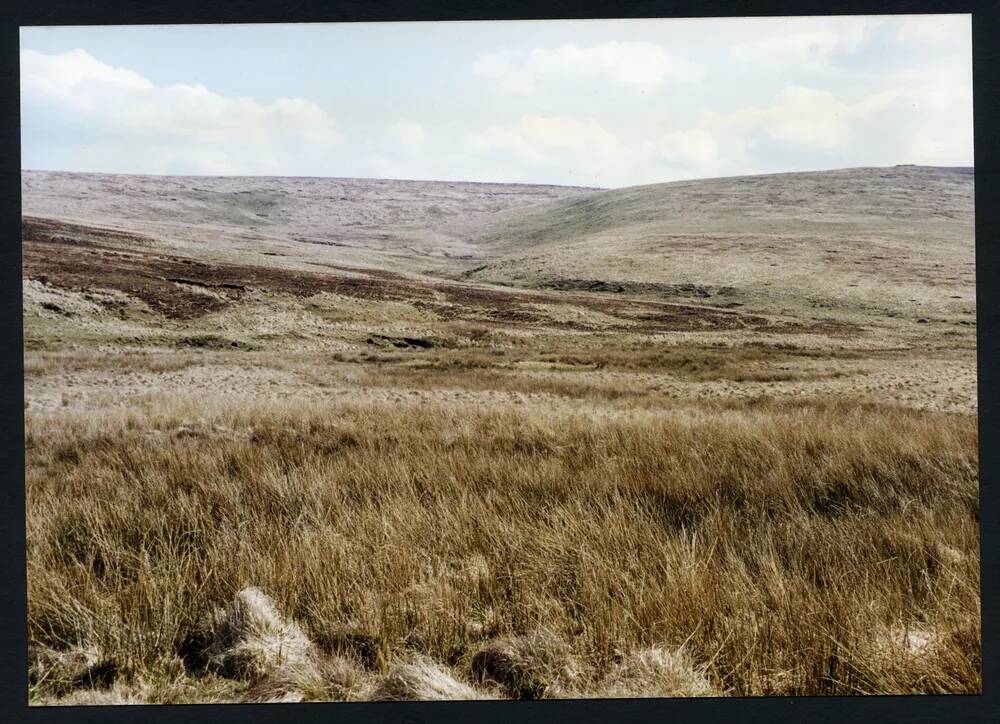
(741, 549)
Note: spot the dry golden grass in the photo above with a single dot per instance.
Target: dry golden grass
(759, 548)
(689, 457)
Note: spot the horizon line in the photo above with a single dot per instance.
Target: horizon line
(486, 183)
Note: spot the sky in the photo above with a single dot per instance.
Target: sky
(588, 102)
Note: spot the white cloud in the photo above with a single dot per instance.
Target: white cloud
(65, 76)
(807, 42)
(541, 140)
(551, 146)
(801, 128)
(924, 124)
(929, 30)
(803, 117)
(693, 149)
(635, 64)
(406, 135)
(177, 126)
(396, 152)
(595, 155)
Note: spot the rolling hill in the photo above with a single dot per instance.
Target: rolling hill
(872, 239)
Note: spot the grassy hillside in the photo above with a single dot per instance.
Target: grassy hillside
(367, 222)
(879, 240)
(514, 442)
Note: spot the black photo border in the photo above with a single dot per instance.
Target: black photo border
(984, 707)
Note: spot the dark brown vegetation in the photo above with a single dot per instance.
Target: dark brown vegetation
(76, 257)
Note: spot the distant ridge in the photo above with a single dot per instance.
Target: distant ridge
(850, 236)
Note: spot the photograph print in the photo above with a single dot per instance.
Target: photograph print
(500, 360)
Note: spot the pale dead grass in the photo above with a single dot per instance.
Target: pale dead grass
(658, 672)
(316, 678)
(421, 679)
(249, 639)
